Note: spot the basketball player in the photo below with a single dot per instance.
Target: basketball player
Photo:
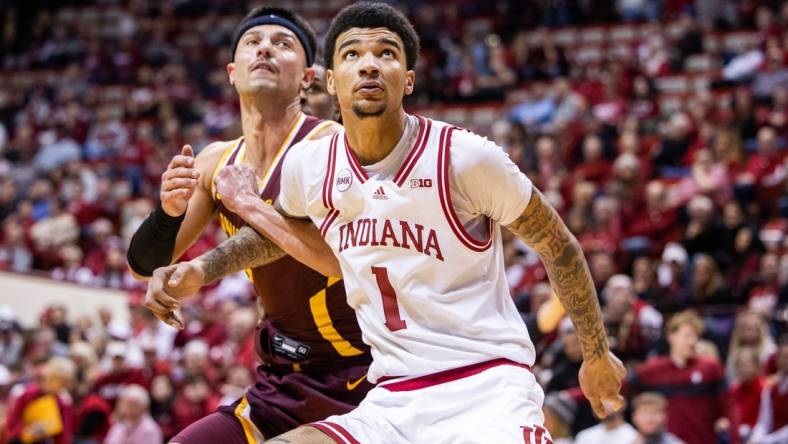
(309, 340)
(412, 207)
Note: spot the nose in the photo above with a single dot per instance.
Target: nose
(370, 65)
(264, 49)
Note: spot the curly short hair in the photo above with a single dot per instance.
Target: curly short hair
(372, 15)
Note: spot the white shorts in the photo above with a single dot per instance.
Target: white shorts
(493, 402)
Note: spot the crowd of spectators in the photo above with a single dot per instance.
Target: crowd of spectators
(657, 129)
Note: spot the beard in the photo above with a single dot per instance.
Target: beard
(365, 112)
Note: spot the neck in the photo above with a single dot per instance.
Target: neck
(266, 122)
(373, 138)
(679, 360)
(613, 423)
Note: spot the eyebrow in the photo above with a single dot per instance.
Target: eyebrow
(384, 40)
(389, 41)
(347, 43)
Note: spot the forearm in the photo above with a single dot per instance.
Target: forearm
(246, 249)
(298, 238)
(542, 229)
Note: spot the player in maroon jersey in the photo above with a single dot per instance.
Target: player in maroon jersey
(314, 363)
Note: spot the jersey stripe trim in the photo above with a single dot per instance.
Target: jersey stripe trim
(415, 152)
(335, 432)
(282, 149)
(222, 162)
(243, 413)
(329, 179)
(325, 325)
(329, 220)
(355, 165)
(444, 191)
(445, 376)
(319, 127)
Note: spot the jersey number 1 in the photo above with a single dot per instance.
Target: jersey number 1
(390, 308)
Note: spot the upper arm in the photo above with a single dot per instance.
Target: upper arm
(292, 200)
(491, 184)
(541, 228)
(201, 204)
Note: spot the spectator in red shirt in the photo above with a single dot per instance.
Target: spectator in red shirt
(633, 326)
(657, 220)
(694, 386)
(31, 418)
(772, 425)
(745, 392)
(194, 402)
(750, 331)
(109, 384)
(594, 167)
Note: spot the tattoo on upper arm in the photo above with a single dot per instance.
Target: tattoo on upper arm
(541, 227)
(246, 249)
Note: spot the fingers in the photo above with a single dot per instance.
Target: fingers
(177, 183)
(180, 172)
(597, 407)
(180, 193)
(174, 320)
(187, 151)
(613, 404)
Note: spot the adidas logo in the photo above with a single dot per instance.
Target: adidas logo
(379, 194)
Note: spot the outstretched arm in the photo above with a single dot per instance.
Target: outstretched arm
(170, 285)
(542, 229)
(300, 239)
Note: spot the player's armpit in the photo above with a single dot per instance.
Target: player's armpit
(542, 229)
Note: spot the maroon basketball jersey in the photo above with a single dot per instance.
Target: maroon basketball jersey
(307, 319)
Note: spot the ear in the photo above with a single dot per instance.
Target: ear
(309, 76)
(230, 72)
(410, 80)
(330, 82)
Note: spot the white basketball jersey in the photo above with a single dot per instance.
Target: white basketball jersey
(429, 295)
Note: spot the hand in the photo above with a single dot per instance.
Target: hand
(178, 182)
(169, 286)
(600, 380)
(234, 183)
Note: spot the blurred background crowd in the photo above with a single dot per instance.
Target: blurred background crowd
(657, 128)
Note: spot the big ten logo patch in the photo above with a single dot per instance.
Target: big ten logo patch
(421, 183)
(344, 180)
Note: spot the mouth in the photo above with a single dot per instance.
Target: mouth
(370, 88)
(263, 65)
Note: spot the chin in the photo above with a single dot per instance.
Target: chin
(363, 110)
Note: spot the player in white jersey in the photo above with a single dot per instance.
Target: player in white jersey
(412, 208)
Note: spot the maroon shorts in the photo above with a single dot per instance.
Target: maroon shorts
(277, 403)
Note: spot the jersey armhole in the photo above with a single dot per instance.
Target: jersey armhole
(444, 192)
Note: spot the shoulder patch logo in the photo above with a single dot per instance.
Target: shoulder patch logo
(344, 180)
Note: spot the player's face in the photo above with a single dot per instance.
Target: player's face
(370, 75)
(315, 99)
(269, 58)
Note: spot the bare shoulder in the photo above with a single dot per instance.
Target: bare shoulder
(212, 153)
(210, 156)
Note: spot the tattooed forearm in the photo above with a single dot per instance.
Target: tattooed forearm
(246, 249)
(541, 228)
